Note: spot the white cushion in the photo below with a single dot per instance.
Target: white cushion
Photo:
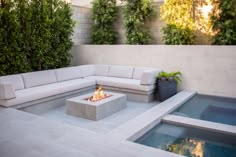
(87, 70)
(123, 83)
(121, 71)
(7, 91)
(69, 73)
(138, 72)
(76, 84)
(95, 78)
(39, 78)
(15, 80)
(149, 77)
(102, 70)
(44, 91)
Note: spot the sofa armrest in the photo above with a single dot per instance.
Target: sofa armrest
(7, 91)
(149, 77)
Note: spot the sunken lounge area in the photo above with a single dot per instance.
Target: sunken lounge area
(105, 110)
(53, 112)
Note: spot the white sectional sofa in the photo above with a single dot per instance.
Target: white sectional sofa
(54, 86)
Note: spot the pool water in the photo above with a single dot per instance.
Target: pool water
(209, 108)
(189, 142)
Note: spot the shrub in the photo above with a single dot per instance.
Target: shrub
(180, 24)
(13, 59)
(224, 22)
(34, 35)
(136, 15)
(177, 36)
(104, 14)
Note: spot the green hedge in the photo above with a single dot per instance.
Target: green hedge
(174, 35)
(180, 23)
(224, 22)
(34, 35)
(104, 13)
(136, 15)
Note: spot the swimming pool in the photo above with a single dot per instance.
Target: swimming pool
(190, 142)
(209, 108)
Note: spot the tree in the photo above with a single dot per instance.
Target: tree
(104, 13)
(34, 35)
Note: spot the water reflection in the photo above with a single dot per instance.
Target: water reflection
(187, 146)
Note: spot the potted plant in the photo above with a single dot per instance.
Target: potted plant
(167, 84)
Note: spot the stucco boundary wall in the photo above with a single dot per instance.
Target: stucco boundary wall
(207, 69)
(83, 23)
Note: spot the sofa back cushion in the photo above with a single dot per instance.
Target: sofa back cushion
(39, 78)
(138, 72)
(15, 80)
(69, 73)
(121, 71)
(102, 70)
(87, 70)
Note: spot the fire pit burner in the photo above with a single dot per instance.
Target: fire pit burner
(98, 95)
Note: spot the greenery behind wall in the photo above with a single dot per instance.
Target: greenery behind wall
(224, 22)
(179, 22)
(136, 15)
(34, 35)
(104, 14)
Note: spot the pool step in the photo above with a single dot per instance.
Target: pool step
(200, 124)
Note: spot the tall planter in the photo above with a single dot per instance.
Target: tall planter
(166, 89)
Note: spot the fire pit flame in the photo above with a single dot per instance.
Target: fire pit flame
(98, 95)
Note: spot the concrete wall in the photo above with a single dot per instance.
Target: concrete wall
(206, 69)
(83, 3)
(82, 16)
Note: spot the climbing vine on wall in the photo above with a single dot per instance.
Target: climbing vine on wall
(202, 16)
(136, 15)
(178, 17)
(104, 13)
(224, 22)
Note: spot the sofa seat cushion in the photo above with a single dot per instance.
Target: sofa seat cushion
(15, 80)
(40, 92)
(76, 84)
(123, 83)
(95, 78)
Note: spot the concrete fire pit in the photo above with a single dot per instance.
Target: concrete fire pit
(81, 107)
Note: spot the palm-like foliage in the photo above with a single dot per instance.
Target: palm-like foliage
(165, 76)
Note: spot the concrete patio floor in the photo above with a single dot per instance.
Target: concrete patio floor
(27, 135)
(102, 126)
